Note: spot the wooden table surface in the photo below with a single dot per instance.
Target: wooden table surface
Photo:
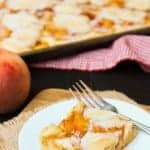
(127, 77)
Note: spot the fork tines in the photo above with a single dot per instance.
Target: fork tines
(84, 93)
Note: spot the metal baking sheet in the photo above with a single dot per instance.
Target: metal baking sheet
(76, 47)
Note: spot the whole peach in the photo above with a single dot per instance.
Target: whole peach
(14, 81)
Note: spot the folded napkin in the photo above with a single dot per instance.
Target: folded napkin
(129, 47)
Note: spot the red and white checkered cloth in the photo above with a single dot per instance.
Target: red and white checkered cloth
(129, 47)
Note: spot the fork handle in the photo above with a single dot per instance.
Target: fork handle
(141, 126)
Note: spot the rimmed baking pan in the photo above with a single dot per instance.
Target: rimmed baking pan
(77, 46)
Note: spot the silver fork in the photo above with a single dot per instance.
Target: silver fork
(84, 93)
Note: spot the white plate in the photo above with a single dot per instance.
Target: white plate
(29, 135)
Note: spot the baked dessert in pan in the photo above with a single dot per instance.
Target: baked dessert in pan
(28, 25)
(88, 129)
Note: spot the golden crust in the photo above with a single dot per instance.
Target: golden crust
(86, 128)
(95, 16)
